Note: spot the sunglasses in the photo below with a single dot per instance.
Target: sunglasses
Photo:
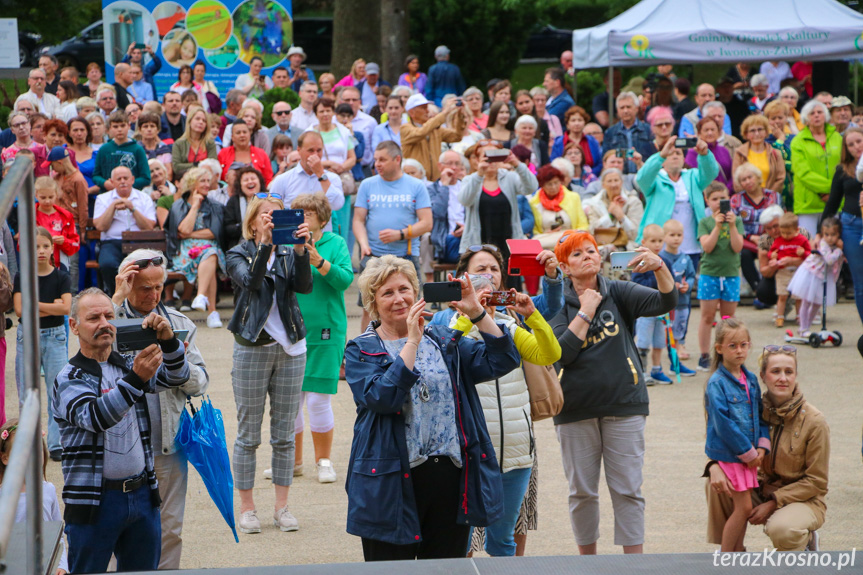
(781, 349)
(663, 124)
(144, 264)
(477, 249)
(264, 195)
(484, 143)
(282, 113)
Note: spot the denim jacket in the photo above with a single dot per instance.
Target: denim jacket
(734, 425)
(381, 501)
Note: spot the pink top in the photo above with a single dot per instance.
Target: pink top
(346, 81)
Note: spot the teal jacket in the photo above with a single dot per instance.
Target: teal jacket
(659, 190)
(813, 168)
(130, 154)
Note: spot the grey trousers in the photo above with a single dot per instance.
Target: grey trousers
(618, 444)
(258, 372)
(172, 471)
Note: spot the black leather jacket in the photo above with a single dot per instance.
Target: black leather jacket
(255, 287)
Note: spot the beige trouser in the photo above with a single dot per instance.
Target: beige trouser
(172, 471)
(788, 528)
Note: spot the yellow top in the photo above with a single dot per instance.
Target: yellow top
(539, 347)
(762, 162)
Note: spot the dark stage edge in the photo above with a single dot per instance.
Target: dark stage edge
(659, 564)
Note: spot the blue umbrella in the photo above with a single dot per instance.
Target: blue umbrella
(671, 344)
(201, 437)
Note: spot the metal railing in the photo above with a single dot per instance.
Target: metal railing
(25, 461)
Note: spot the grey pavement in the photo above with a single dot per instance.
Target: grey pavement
(676, 510)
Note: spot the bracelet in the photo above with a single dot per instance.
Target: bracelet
(586, 318)
(413, 343)
(320, 265)
(479, 318)
(410, 232)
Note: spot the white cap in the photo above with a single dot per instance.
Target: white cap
(415, 101)
(296, 50)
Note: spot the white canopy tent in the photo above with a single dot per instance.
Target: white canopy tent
(714, 31)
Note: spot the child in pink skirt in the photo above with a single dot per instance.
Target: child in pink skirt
(737, 436)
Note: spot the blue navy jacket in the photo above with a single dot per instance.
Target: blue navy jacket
(642, 141)
(734, 425)
(148, 71)
(444, 78)
(381, 501)
(593, 146)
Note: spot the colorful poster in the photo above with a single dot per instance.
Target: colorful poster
(223, 34)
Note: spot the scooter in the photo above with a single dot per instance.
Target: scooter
(818, 338)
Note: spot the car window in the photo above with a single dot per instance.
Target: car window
(96, 33)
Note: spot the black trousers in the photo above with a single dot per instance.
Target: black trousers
(766, 292)
(749, 267)
(436, 489)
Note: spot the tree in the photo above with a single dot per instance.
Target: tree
(394, 38)
(486, 37)
(356, 33)
(55, 21)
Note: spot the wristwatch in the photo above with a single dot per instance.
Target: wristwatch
(402, 234)
(322, 178)
(320, 265)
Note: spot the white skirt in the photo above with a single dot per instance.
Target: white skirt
(806, 286)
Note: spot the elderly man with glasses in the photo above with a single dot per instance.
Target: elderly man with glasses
(140, 282)
(43, 102)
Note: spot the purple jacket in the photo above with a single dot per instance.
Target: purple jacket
(723, 157)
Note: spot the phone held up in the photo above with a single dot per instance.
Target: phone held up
(285, 225)
(724, 206)
(685, 143)
(498, 298)
(620, 260)
(440, 292)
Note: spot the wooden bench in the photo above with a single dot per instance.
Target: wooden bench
(440, 270)
(149, 240)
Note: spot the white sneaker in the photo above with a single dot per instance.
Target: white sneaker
(284, 520)
(200, 302)
(249, 522)
(326, 472)
(214, 321)
(268, 473)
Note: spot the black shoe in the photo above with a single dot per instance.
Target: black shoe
(57, 455)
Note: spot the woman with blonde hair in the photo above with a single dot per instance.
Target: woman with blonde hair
(326, 84)
(195, 145)
(355, 76)
(759, 153)
(269, 354)
(251, 114)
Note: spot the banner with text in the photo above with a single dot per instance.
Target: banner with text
(224, 34)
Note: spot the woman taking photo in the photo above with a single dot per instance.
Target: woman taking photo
(790, 501)
(709, 132)
(248, 182)
(556, 209)
(473, 100)
(254, 84)
(241, 153)
(413, 78)
(326, 319)
(525, 135)
(576, 118)
(815, 154)
(406, 377)
(604, 390)
(759, 153)
(194, 233)
(614, 215)
(489, 196)
(339, 156)
(269, 354)
(748, 204)
(195, 145)
(498, 118)
(846, 186)
(79, 141)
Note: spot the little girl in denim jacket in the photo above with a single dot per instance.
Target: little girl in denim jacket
(737, 436)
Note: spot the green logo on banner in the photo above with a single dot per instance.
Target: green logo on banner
(858, 43)
(639, 47)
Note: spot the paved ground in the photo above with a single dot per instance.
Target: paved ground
(676, 513)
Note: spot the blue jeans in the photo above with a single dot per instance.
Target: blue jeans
(110, 257)
(852, 231)
(499, 541)
(54, 356)
(127, 525)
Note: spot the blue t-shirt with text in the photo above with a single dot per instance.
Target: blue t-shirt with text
(392, 205)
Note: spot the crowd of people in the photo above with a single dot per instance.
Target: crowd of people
(396, 183)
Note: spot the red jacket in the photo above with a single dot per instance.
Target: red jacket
(788, 248)
(60, 223)
(260, 160)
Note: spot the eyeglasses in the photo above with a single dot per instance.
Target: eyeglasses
(483, 247)
(18, 125)
(144, 264)
(662, 124)
(264, 195)
(781, 349)
(282, 112)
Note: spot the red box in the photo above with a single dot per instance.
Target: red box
(522, 258)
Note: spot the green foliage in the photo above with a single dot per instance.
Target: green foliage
(273, 96)
(486, 37)
(55, 21)
(589, 85)
(4, 117)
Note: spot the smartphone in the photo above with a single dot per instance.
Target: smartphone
(131, 336)
(624, 153)
(496, 155)
(683, 143)
(302, 66)
(497, 298)
(620, 260)
(724, 206)
(285, 224)
(140, 46)
(181, 334)
(459, 102)
(438, 292)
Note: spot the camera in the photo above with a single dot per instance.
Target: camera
(131, 336)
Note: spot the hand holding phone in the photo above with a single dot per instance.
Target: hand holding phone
(441, 292)
(620, 260)
(285, 226)
(725, 206)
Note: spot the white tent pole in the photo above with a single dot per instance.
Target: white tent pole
(610, 95)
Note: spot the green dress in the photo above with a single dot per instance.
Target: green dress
(325, 316)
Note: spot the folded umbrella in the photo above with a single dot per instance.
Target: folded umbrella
(671, 345)
(201, 438)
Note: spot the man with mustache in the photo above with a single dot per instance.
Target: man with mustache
(110, 489)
